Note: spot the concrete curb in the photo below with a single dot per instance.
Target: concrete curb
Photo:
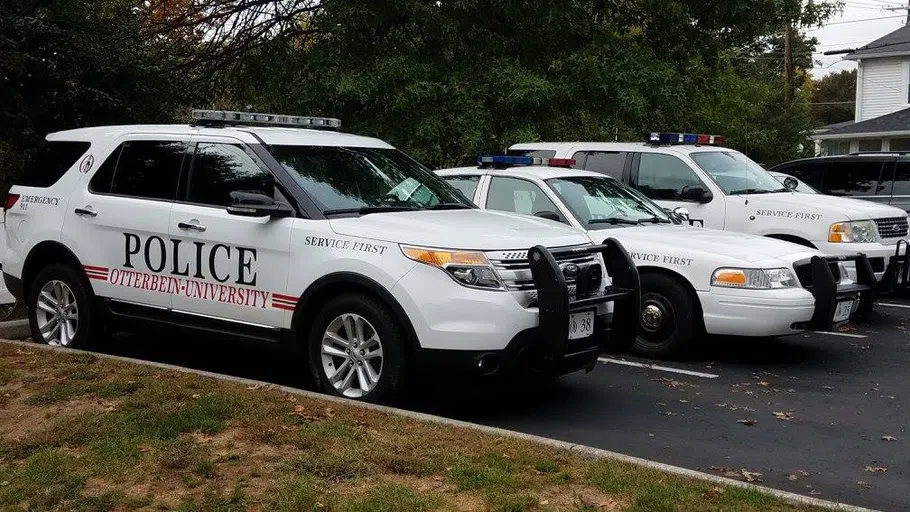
(15, 329)
(585, 451)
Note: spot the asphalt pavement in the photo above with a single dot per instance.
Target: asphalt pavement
(824, 415)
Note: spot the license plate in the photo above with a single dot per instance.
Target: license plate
(581, 325)
(843, 310)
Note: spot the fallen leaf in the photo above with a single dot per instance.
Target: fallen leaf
(329, 413)
(804, 473)
(876, 469)
(683, 401)
(545, 502)
(792, 477)
(828, 387)
(661, 404)
(786, 416)
(750, 476)
(814, 493)
(762, 383)
(196, 395)
(650, 435)
(889, 438)
(747, 422)
(299, 408)
(862, 484)
(721, 405)
(670, 413)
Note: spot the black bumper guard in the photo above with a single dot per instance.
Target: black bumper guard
(555, 306)
(897, 273)
(827, 293)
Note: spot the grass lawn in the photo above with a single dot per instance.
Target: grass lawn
(82, 433)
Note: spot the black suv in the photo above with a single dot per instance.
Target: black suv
(874, 176)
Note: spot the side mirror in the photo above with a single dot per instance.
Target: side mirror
(681, 213)
(549, 216)
(257, 204)
(696, 193)
(790, 183)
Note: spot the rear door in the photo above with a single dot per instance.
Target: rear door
(117, 221)
(228, 267)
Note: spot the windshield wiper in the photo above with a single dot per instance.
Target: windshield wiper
(365, 210)
(751, 191)
(450, 206)
(614, 220)
(657, 220)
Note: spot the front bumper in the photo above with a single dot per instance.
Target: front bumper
(538, 341)
(735, 312)
(882, 257)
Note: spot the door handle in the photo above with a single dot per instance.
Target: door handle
(192, 227)
(85, 212)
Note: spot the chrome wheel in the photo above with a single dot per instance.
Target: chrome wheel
(57, 314)
(658, 318)
(352, 355)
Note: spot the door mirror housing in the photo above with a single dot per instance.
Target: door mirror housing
(790, 183)
(257, 204)
(549, 216)
(696, 193)
(681, 214)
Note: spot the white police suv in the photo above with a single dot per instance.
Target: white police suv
(693, 279)
(336, 242)
(723, 189)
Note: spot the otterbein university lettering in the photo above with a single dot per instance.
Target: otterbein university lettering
(199, 260)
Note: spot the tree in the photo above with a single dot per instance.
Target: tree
(835, 97)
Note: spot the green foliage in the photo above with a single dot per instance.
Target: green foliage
(835, 94)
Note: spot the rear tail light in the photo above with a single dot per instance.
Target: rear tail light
(11, 200)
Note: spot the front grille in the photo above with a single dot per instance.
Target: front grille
(804, 273)
(515, 272)
(892, 227)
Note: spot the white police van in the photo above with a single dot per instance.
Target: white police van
(723, 189)
(339, 243)
(693, 279)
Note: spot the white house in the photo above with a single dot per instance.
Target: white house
(882, 121)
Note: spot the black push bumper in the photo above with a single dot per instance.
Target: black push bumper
(546, 348)
(556, 306)
(897, 273)
(817, 276)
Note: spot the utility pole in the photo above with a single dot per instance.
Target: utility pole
(895, 9)
(788, 65)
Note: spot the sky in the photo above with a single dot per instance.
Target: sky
(853, 28)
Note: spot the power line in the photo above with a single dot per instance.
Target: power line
(853, 21)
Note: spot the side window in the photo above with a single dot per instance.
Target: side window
(467, 185)
(610, 163)
(810, 173)
(144, 168)
(901, 185)
(664, 176)
(219, 169)
(536, 153)
(852, 177)
(51, 162)
(519, 196)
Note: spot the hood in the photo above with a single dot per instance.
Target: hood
(460, 229)
(686, 241)
(834, 208)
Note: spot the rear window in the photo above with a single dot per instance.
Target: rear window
(144, 168)
(51, 161)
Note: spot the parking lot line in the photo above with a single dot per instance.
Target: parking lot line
(890, 305)
(844, 334)
(657, 367)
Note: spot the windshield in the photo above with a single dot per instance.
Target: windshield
(735, 173)
(596, 201)
(346, 178)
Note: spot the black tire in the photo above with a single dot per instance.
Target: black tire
(394, 368)
(673, 336)
(88, 322)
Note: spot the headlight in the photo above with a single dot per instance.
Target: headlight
(467, 268)
(855, 231)
(754, 278)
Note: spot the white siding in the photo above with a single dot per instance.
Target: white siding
(883, 85)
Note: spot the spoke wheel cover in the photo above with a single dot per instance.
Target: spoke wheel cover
(351, 355)
(57, 313)
(658, 318)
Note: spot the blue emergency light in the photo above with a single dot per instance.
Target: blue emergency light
(671, 138)
(501, 161)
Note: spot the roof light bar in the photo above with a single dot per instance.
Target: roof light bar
(670, 138)
(225, 117)
(501, 161)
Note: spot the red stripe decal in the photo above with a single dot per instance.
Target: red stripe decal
(285, 302)
(282, 306)
(285, 297)
(94, 267)
(98, 278)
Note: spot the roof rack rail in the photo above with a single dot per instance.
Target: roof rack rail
(879, 153)
(217, 118)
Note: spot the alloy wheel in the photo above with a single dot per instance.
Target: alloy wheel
(352, 355)
(57, 314)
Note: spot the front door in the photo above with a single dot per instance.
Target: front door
(666, 179)
(118, 219)
(228, 266)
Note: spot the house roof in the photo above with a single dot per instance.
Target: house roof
(891, 44)
(832, 126)
(893, 123)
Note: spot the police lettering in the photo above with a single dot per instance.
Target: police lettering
(200, 260)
